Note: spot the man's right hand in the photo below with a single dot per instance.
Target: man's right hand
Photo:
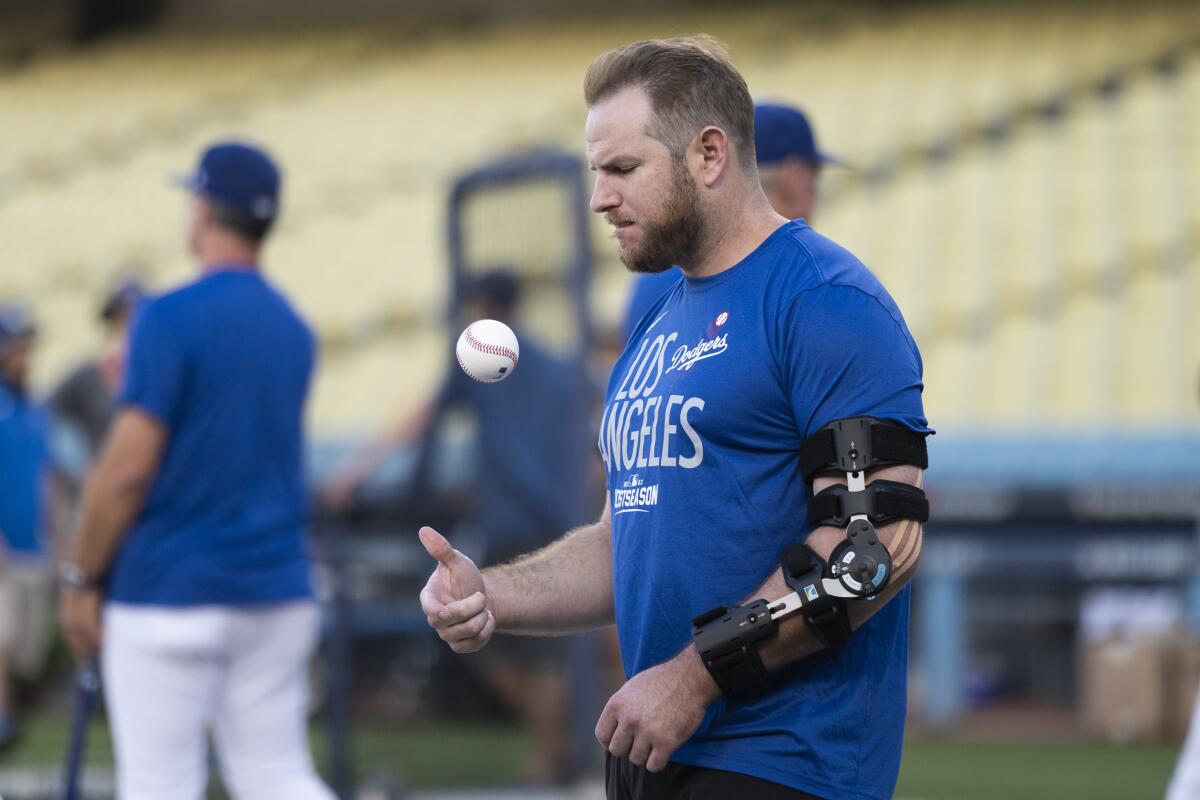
(79, 615)
(454, 598)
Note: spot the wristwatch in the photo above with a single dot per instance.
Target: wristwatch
(72, 577)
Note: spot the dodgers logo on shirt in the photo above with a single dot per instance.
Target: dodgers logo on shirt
(712, 344)
(687, 357)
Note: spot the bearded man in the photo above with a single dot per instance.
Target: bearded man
(715, 434)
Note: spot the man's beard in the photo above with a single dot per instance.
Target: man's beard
(677, 236)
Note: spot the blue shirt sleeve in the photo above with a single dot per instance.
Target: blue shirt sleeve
(844, 355)
(156, 368)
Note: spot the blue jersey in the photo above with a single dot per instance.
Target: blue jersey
(224, 364)
(24, 466)
(705, 413)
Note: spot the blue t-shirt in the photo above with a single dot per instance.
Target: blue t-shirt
(224, 363)
(705, 413)
(645, 292)
(24, 466)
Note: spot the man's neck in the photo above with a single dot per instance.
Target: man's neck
(735, 236)
(228, 254)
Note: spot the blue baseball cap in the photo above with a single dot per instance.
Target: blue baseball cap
(16, 325)
(781, 131)
(240, 176)
(122, 299)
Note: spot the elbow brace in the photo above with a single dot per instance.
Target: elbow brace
(728, 638)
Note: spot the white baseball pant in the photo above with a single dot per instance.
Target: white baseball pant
(171, 675)
(1185, 783)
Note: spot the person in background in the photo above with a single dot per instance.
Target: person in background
(82, 403)
(192, 566)
(789, 169)
(29, 506)
(1185, 780)
(531, 479)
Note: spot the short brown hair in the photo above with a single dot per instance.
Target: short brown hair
(231, 219)
(691, 84)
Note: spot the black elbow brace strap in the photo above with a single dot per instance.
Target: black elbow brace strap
(856, 444)
(825, 613)
(882, 502)
(727, 639)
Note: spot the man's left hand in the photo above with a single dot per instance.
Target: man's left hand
(79, 614)
(657, 710)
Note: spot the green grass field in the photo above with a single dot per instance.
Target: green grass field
(429, 755)
(975, 771)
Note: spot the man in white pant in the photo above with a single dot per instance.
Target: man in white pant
(1185, 783)
(192, 543)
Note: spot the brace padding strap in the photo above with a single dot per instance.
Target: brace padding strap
(827, 616)
(727, 639)
(858, 443)
(883, 502)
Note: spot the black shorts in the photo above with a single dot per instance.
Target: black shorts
(626, 781)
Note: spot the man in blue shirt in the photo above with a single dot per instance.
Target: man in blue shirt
(28, 500)
(789, 169)
(194, 521)
(774, 333)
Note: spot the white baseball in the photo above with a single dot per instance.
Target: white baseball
(488, 351)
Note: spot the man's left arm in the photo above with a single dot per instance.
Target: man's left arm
(659, 709)
(112, 499)
(903, 540)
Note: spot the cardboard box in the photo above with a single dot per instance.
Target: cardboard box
(1127, 687)
(1184, 684)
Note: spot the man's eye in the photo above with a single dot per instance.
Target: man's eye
(623, 170)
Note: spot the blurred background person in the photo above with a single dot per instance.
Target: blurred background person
(789, 169)
(83, 402)
(789, 161)
(28, 518)
(1185, 782)
(194, 522)
(529, 479)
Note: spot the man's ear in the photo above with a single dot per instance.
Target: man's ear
(204, 210)
(714, 153)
